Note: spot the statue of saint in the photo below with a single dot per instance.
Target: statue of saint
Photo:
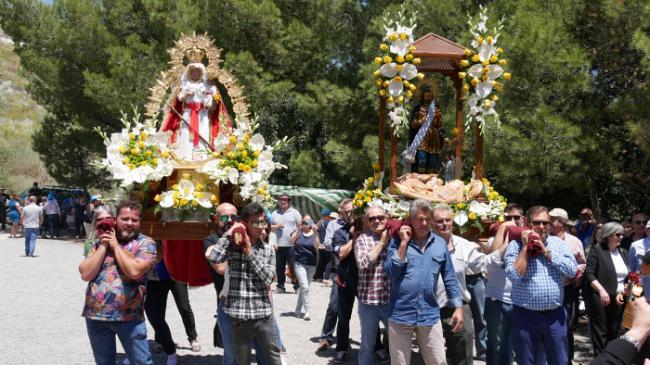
(194, 115)
(427, 157)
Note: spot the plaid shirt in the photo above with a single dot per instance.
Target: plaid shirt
(374, 286)
(250, 279)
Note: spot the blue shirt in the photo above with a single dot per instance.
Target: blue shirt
(414, 280)
(542, 286)
(304, 250)
(637, 250)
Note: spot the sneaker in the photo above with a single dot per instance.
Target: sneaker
(280, 290)
(323, 345)
(340, 357)
(306, 316)
(194, 344)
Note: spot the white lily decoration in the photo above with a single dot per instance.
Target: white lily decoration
(460, 218)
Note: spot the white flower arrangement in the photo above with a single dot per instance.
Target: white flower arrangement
(393, 78)
(138, 153)
(244, 159)
(185, 198)
(490, 207)
(484, 66)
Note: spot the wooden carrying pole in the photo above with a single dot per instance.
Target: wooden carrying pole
(458, 161)
(382, 131)
(478, 152)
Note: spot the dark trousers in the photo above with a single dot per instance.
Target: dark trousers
(476, 287)
(570, 295)
(324, 258)
(329, 324)
(345, 305)
(283, 257)
(262, 330)
(182, 299)
(52, 224)
(460, 345)
(155, 306)
(3, 217)
(79, 230)
(604, 322)
(532, 329)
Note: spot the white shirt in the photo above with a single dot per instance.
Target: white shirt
(467, 259)
(497, 285)
(621, 270)
(31, 216)
(290, 218)
(52, 207)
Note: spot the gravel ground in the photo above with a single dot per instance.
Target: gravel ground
(40, 320)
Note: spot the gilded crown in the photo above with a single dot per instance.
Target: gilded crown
(195, 55)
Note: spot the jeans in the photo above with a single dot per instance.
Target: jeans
(499, 339)
(132, 335)
(476, 287)
(52, 224)
(229, 344)
(304, 273)
(30, 241)
(369, 317)
(264, 330)
(329, 324)
(532, 329)
(283, 257)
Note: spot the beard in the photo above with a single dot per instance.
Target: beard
(124, 236)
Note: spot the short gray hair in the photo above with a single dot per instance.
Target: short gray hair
(609, 229)
(365, 212)
(442, 208)
(419, 205)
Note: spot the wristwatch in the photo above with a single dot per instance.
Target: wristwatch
(631, 340)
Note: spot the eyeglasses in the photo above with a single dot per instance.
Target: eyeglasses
(543, 223)
(225, 217)
(512, 217)
(308, 223)
(259, 223)
(377, 218)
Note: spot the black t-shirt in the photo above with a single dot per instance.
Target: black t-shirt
(304, 250)
(626, 242)
(216, 278)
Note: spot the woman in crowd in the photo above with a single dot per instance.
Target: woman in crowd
(13, 214)
(305, 256)
(605, 275)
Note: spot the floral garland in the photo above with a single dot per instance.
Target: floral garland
(484, 68)
(491, 207)
(242, 158)
(393, 78)
(370, 195)
(137, 154)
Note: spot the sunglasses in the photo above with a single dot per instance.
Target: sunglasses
(619, 235)
(308, 223)
(259, 223)
(225, 218)
(543, 223)
(377, 218)
(512, 217)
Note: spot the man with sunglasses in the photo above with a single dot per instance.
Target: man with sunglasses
(639, 221)
(373, 287)
(286, 220)
(251, 268)
(537, 267)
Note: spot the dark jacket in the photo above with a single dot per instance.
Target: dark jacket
(347, 270)
(600, 266)
(618, 352)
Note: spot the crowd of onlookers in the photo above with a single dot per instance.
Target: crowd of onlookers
(515, 297)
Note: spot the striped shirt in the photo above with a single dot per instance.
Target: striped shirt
(250, 277)
(373, 287)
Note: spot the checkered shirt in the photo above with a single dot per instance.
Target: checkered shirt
(250, 279)
(374, 285)
(541, 288)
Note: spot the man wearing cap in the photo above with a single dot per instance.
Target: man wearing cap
(4, 198)
(637, 250)
(324, 256)
(559, 219)
(285, 220)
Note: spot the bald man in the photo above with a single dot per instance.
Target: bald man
(226, 216)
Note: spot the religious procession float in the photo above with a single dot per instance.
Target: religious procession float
(197, 144)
